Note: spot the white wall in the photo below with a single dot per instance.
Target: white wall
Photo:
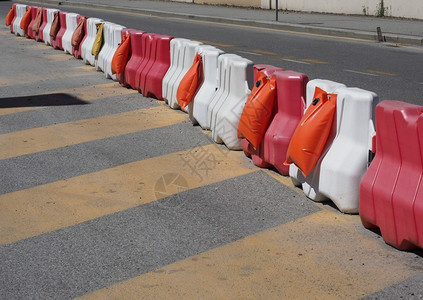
(393, 8)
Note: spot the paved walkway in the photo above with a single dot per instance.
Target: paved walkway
(364, 27)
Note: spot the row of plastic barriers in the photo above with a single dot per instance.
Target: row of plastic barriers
(319, 132)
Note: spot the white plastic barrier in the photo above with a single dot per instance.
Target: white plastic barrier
(100, 64)
(186, 59)
(175, 47)
(199, 105)
(87, 45)
(338, 173)
(225, 115)
(46, 30)
(71, 24)
(116, 40)
(20, 11)
(222, 90)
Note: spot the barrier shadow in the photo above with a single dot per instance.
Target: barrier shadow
(56, 99)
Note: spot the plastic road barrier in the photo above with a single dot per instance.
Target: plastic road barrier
(153, 73)
(121, 76)
(71, 23)
(199, 105)
(136, 58)
(116, 35)
(30, 32)
(391, 194)
(175, 48)
(77, 49)
(16, 23)
(40, 35)
(344, 161)
(185, 60)
(287, 112)
(57, 42)
(87, 45)
(46, 31)
(227, 108)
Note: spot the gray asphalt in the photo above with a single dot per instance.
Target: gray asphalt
(129, 243)
(345, 61)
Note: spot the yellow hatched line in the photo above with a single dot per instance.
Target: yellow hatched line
(77, 132)
(314, 257)
(86, 93)
(52, 206)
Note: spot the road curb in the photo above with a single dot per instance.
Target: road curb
(334, 32)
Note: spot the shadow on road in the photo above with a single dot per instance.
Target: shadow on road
(58, 99)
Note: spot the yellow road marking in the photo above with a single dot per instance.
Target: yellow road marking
(37, 46)
(4, 81)
(381, 73)
(314, 61)
(71, 133)
(264, 52)
(314, 257)
(86, 67)
(215, 44)
(52, 206)
(86, 93)
(59, 57)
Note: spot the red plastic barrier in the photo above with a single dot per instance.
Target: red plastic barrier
(57, 42)
(39, 36)
(151, 82)
(121, 76)
(391, 192)
(287, 112)
(30, 32)
(149, 50)
(77, 50)
(137, 51)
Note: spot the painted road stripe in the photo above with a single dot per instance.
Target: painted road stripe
(315, 61)
(215, 44)
(59, 57)
(250, 53)
(296, 61)
(264, 52)
(381, 73)
(361, 73)
(312, 257)
(71, 133)
(48, 207)
(86, 93)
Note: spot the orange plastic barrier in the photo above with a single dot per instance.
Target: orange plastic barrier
(10, 15)
(309, 139)
(189, 83)
(26, 19)
(78, 34)
(120, 58)
(258, 110)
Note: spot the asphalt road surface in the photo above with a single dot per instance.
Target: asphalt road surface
(107, 194)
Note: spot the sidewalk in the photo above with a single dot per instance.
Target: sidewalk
(361, 27)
